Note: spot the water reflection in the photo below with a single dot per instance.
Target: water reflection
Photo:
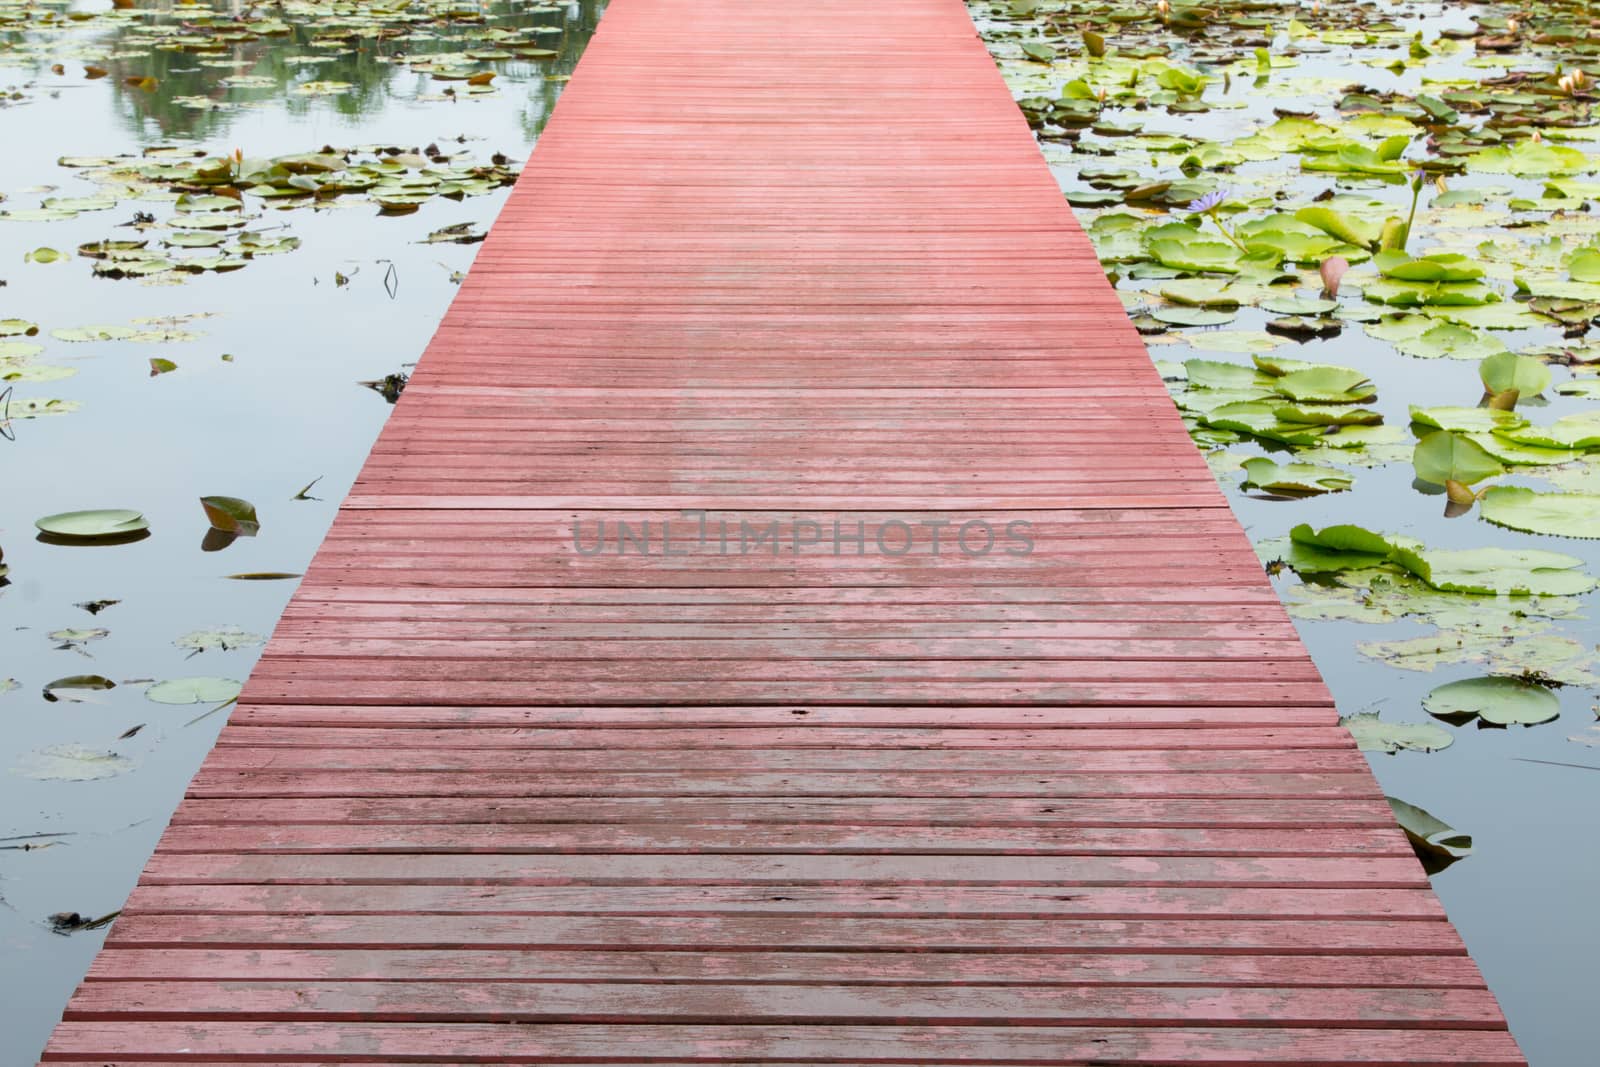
(185, 71)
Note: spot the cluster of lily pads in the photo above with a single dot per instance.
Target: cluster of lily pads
(219, 203)
(1249, 198)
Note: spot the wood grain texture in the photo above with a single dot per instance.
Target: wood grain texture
(844, 792)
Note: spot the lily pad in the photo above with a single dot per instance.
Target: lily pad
(194, 691)
(1499, 701)
(223, 639)
(73, 763)
(1512, 572)
(1373, 734)
(1297, 479)
(1192, 316)
(98, 525)
(1555, 514)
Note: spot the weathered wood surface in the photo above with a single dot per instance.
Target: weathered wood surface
(1085, 804)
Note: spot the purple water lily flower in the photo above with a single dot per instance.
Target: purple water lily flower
(1210, 202)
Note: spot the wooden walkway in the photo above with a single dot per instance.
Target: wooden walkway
(491, 800)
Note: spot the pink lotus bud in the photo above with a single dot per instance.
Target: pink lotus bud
(1332, 271)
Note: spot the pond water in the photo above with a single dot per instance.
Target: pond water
(270, 341)
(264, 398)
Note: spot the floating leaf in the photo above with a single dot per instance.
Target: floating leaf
(1500, 701)
(1338, 385)
(225, 639)
(1449, 340)
(194, 691)
(77, 636)
(231, 515)
(1525, 572)
(1192, 316)
(1302, 479)
(1571, 431)
(73, 763)
(1531, 159)
(1556, 514)
(99, 525)
(94, 333)
(1466, 420)
(1373, 734)
(72, 687)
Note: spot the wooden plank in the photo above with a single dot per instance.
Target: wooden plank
(618, 964)
(773, 1004)
(109, 1044)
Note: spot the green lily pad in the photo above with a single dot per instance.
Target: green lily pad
(1500, 701)
(1438, 267)
(1570, 431)
(95, 525)
(222, 639)
(1192, 316)
(1511, 572)
(1337, 385)
(1373, 734)
(1466, 420)
(94, 333)
(1299, 305)
(1555, 514)
(1509, 452)
(1531, 159)
(1213, 374)
(73, 763)
(1449, 340)
(1299, 479)
(194, 691)
(1443, 457)
(1508, 372)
